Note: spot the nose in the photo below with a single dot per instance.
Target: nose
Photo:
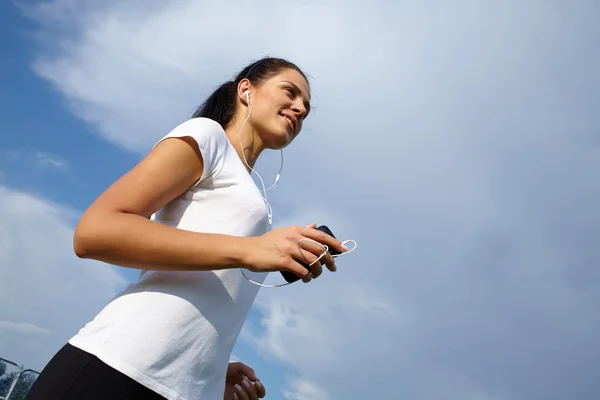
(299, 109)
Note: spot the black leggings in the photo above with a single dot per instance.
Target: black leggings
(74, 374)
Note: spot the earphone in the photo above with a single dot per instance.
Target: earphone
(325, 250)
(281, 151)
(270, 210)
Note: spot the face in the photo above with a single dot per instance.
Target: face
(279, 107)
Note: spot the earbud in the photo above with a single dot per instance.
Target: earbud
(270, 210)
(265, 189)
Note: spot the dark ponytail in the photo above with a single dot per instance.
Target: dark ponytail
(220, 106)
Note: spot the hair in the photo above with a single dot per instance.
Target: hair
(220, 106)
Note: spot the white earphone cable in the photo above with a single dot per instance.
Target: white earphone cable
(244, 155)
(325, 250)
(270, 210)
(262, 182)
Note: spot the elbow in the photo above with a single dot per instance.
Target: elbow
(94, 235)
(87, 238)
(81, 243)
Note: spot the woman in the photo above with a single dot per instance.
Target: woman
(190, 217)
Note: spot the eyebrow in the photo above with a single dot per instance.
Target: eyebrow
(306, 103)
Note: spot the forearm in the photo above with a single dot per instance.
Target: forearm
(132, 241)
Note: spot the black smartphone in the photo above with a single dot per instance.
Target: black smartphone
(290, 276)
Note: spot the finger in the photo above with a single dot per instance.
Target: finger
(245, 370)
(316, 269)
(240, 393)
(308, 277)
(313, 226)
(324, 238)
(297, 269)
(249, 389)
(300, 259)
(311, 252)
(260, 389)
(311, 260)
(329, 262)
(325, 258)
(312, 246)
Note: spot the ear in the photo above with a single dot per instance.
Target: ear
(243, 89)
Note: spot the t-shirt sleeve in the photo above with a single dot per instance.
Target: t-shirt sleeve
(209, 136)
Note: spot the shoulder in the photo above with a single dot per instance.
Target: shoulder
(208, 134)
(210, 141)
(199, 127)
(203, 123)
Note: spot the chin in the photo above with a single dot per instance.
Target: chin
(277, 140)
(280, 142)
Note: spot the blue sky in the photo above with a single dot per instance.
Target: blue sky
(36, 123)
(49, 153)
(458, 144)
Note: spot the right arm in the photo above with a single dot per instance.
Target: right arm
(117, 228)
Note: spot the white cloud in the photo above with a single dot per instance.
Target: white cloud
(44, 160)
(456, 142)
(300, 389)
(23, 328)
(46, 293)
(20, 160)
(235, 358)
(115, 86)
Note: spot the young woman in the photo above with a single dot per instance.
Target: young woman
(191, 218)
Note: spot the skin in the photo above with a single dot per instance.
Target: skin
(242, 383)
(284, 94)
(116, 228)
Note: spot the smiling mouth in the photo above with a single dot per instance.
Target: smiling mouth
(289, 121)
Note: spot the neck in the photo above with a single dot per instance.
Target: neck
(251, 146)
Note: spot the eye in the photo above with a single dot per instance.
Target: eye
(290, 91)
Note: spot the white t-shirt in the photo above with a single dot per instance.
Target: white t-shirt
(174, 331)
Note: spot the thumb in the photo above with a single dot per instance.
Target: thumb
(313, 225)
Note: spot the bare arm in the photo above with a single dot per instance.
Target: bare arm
(117, 228)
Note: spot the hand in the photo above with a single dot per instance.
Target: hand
(278, 250)
(241, 383)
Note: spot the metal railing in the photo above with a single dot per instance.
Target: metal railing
(16, 383)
